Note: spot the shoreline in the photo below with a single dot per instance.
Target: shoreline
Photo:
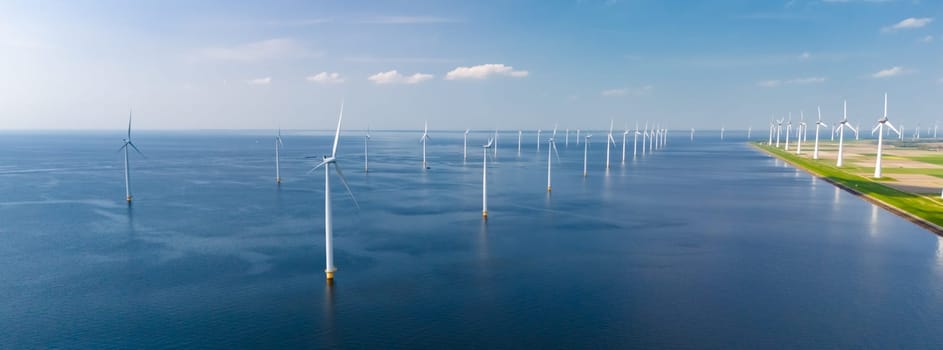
(919, 221)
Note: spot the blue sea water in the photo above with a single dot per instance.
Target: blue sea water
(703, 244)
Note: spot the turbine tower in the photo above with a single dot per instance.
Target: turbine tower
(819, 123)
(799, 132)
(610, 143)
(880, 129)
(841, 132)
(635, 140)
(538, 140)
(366, 138)
(586, 154)
(127, 164)
(484, 179)
(519, 134)
(625, 136)
(551, 148)
(278, 143)
(326, 162)
(422, 140)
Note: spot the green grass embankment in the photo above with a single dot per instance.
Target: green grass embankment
(920, 209)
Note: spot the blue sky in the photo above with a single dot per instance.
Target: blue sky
(465, 64)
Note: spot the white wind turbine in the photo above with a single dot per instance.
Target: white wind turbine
(567, 140)
(935, 126)
(840, 129)
(900, 134)
(749, 132)
(788, 130)
(771, 127)
(692, 134)
(625, 136)
(880, 129)
(326, 162)
(551, 148)
(610, 143)
(859, 128)
(538, 140)
(127, 164)
(465, 147)
(779, 130)
(422, 140)
(278, 143)
(819, 123)
(586, 154)
(365, 139)
(651, 139)
(635, 140)
(577, 137)
(484, 179)
(800, 132)
(722, 129)
(644, 138)
(495, 143)
(520, 133)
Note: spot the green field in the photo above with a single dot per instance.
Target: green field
(926, 208)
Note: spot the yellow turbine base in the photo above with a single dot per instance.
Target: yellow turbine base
(129, 199)
(484, 214)
(278, 180)
(548, 188)
(330, 275)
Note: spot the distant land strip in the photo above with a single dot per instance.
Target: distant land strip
(919, 209)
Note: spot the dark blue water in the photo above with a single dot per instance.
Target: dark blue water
(701, 245)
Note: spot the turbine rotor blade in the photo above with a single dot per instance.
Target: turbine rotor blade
(136, 148)
(892, 127)
(344, 181)
(555, 152)
(337, 133)
(316, 168)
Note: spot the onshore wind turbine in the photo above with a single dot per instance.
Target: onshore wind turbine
(586, 154)
(326, 162)
(788, 130)
(819, 123)
(800, 132)
(278, 143)
(422, 140)
(840, 129)
(880, 129)
(127, 164)
(779, 130)
(484, 179)
(551, 148)
(749, 132)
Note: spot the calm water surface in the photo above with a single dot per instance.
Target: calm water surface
(707, 244)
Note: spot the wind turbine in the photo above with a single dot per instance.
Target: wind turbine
(610, 143)
(635, 141)
(880, 129)
(788, 130)
(520, 133)
(692, 134)
(278, 143)
(749, 132)
(859, 127)
(551, 148)
(465, 149)
(365, 139)
(799, 132)
(567, 141)
(819, 123)
(586, 154)
(422, 140)
(127, 165)
(651, 140)
(935, 126)
(644, 138)
(771, 127)
(326, 162)
(484, 179)
(722, 133)
(538, 140)
(900, 134)
(779, 130)
(577, 137)
(495, 143)
(841, 131)
(625, 136)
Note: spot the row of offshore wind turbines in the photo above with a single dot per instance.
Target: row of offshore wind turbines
(652, 139)
(882, 128)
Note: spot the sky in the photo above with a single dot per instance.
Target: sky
(510, 65)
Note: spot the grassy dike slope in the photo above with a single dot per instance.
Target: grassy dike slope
(925, 211)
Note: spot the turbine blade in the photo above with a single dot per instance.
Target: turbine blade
(885, 105)
(315, 168)
(337, 133)
(892, 127)
(555, 152)
(852, 128)
(129, 125)
(344, 181)
(122, 147)
(136, 149)
(875, 128)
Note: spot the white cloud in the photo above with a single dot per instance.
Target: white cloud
(260, 81)
(483, 71)
(795, 81)
(256, 51)
(394, 77)
(890, 72)
(638, 91)
(927, 39)
(909, 23)
(805, 56)
(325, 77)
